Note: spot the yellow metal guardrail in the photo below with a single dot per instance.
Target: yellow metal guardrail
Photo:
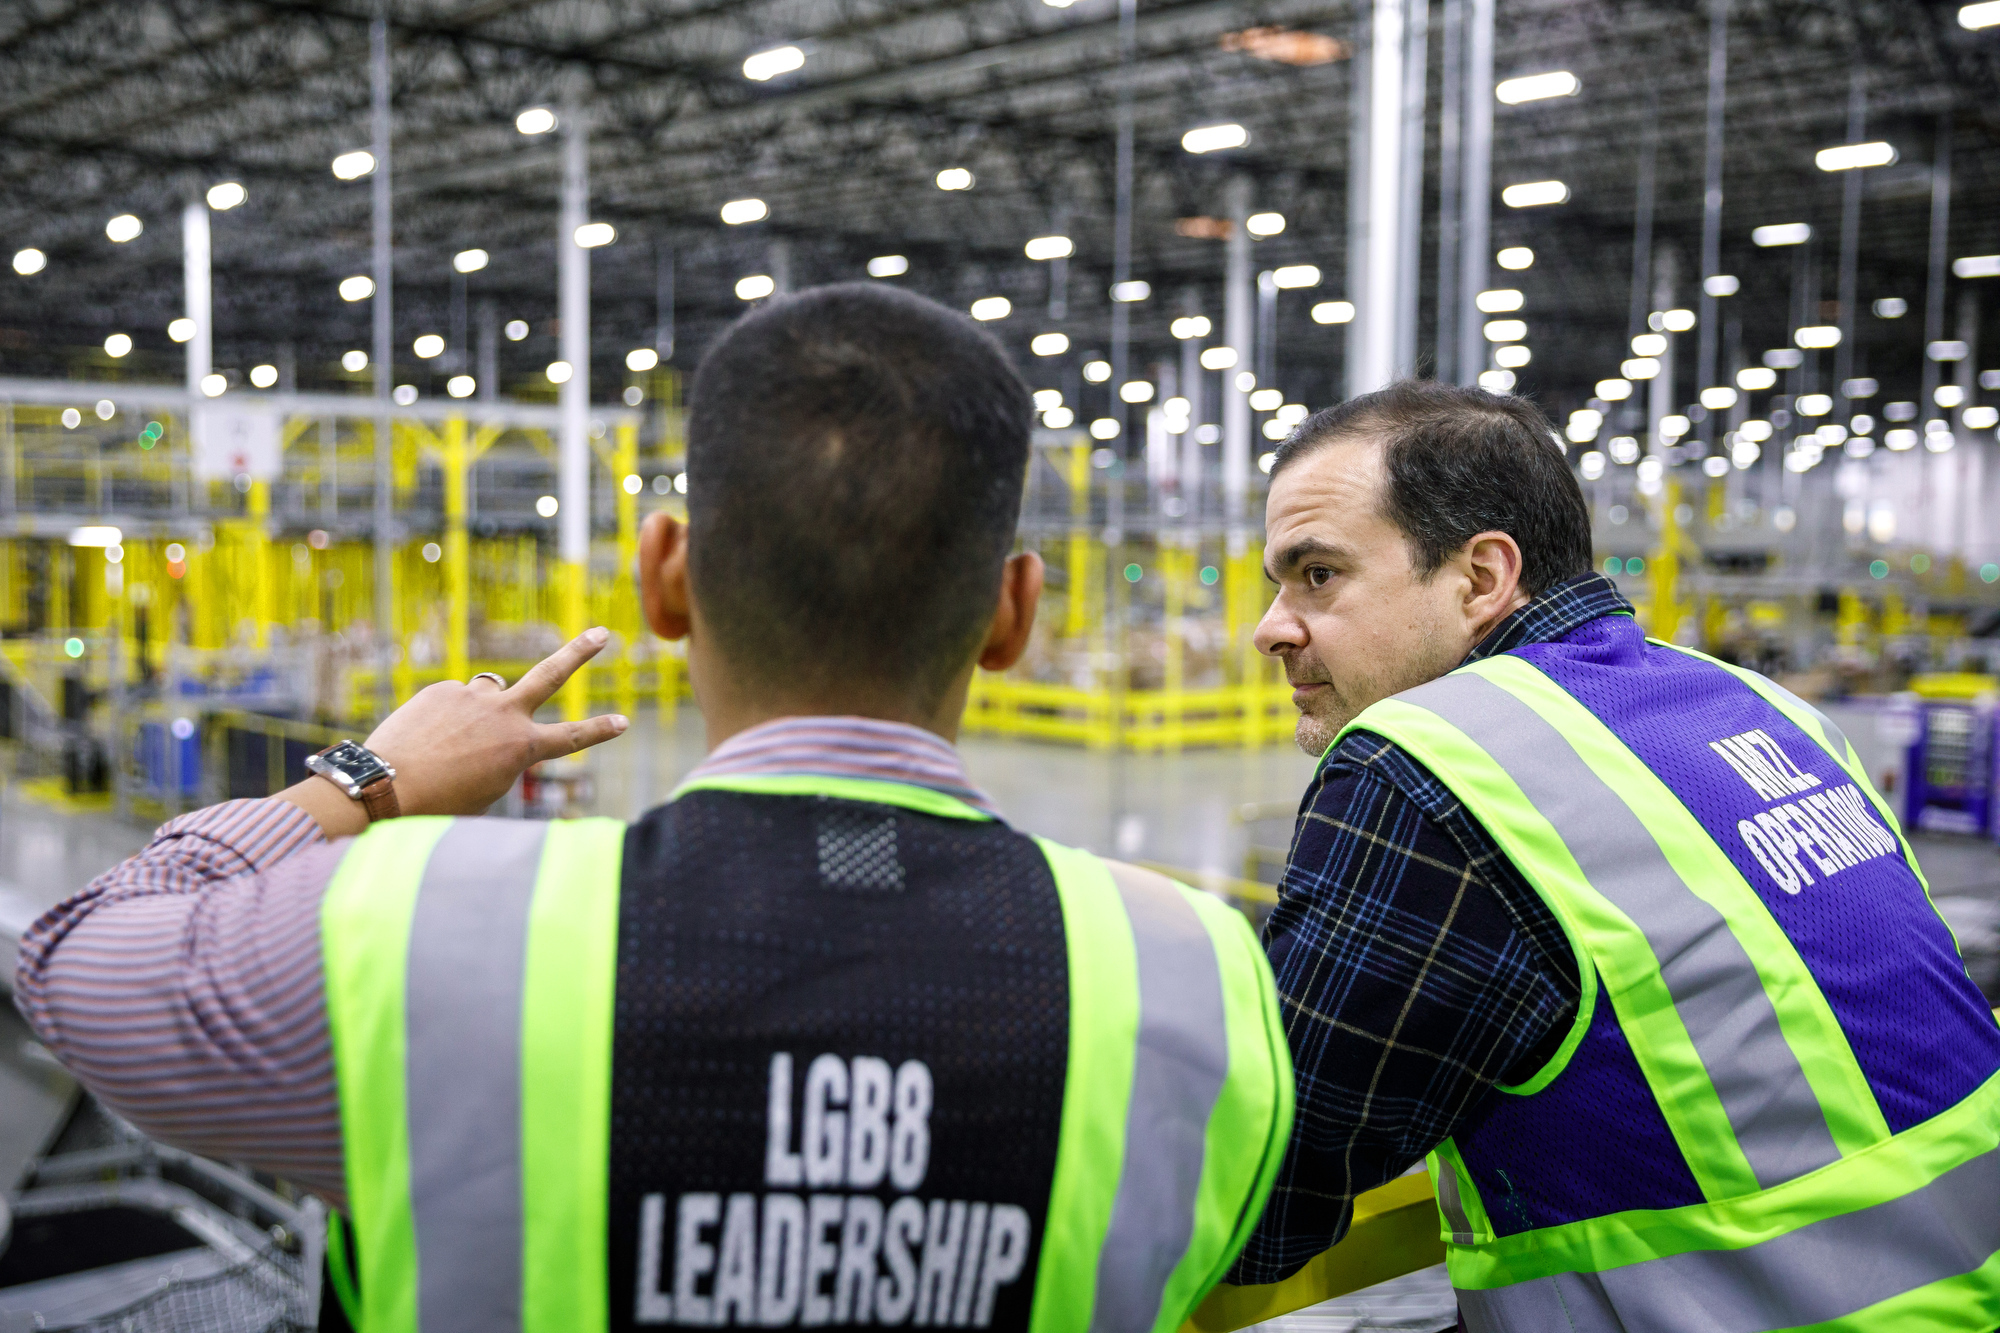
(1246, 715)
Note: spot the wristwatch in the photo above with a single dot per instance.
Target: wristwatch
(362, 774)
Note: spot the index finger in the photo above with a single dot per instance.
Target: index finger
(547, 676)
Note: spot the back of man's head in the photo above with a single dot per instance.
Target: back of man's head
(855, 462)
(1458, 462)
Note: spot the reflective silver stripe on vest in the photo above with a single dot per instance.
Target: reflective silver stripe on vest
(1822, 1271)
(462, 1016)
(1177, 1072)
(1452, 1204)
(1715, 988)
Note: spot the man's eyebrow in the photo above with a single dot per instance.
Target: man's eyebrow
(1300, 551)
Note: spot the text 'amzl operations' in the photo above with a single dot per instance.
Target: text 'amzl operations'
(821, 1245)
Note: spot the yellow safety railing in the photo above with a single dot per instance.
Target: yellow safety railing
(1395, 1231)
(1138, 719)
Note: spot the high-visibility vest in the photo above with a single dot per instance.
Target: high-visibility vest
(1777, 1106)
(542, 1131)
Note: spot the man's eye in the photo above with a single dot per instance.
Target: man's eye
(1317, 576)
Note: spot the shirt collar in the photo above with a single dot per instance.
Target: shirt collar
(846, 747)
(1555, 613)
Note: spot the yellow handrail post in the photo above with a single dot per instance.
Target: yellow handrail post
(256, 554)
(457, 554)
(572, 592)
(625, 466)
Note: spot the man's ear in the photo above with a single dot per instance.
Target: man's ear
(663, 574)
(1492, 564)
(1014, 618)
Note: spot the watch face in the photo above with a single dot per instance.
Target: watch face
(358, 765)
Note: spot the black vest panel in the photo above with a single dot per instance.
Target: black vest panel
(840, 1047)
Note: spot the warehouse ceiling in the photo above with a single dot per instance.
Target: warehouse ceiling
(136, 106)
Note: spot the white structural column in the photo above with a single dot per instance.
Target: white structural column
(1660, 390)
(573, 297)
(1475, 189)
(1410, 210)
(1237, 316)
(195, 261)
(1377, 299)
(381, 203)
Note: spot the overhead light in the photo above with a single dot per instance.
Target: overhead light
(1105, 428)
(1614, 391)
(354, 362)
(1782, 233)
(558, 372)
(213, 385)
(641, 359)
(469, 261)
(1267, 400)
(547, 505)
(1895, 307)
(1190, 326)
(98, 535)
(1136, 391)
(1718, 398)
(1784, 358)
(1245, 381)
(535, 120)
(1979, 418)
(1264, 224)
(428, 346)
(1754, 430)
(226, 196)
(1499, 301)
(954, 178)
(1755, 379)
(1721, 284)
(593, 235)
(461, 386)
(1203, 228)
(1049, 344)
(353, 166)
(357, 288)
(1983, 15)
(755, 287)
(1536, 87)
(1515, 258)
(1675, 321)
(1050, 247)
(405, 394)
(1639, 368)
(117, 345)
(1131, 290)
(1947, 349)
(1496, 381)
(1674, 424)
(1861, 387)
(1535, 194)
(739, 211)
(1218, 358)
(1505, 330)
(991, 308)
(1097, 371)
(1059, 418)
(888, 266)
(770, 64)
(1973, 266)
(264, 376)
(1512, 357)
(123, 228)
(1047, 400)
(1852, 156)
(1816, 336)
(1293, 276)
(515, 330)
(1214, 138)
(1900, 440)
(30, 261)
(1333, 312)
(106, 409)
(1814, 404)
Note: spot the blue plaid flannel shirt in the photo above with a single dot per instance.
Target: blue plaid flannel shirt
(1416, 966)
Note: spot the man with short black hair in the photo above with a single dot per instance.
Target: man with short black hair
(1620, 936)
(821, 1040)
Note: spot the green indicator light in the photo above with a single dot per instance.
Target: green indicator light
(74, 647)
(1989, 573)
(1209, 574)
(1920, 563)
(1613, 565)
(145, 441)
(1879, 568)
(1635, 565)
(154, 430)
(1133, 573)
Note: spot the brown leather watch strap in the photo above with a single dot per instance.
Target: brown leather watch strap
(378, 798)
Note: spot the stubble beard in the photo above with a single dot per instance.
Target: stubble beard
(1322, 718)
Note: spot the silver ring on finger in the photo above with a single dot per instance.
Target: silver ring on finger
(493, 676)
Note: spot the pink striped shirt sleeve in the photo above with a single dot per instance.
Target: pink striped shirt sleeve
(183, 987)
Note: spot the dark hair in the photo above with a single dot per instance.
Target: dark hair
(855, 461)
(1460, 462)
